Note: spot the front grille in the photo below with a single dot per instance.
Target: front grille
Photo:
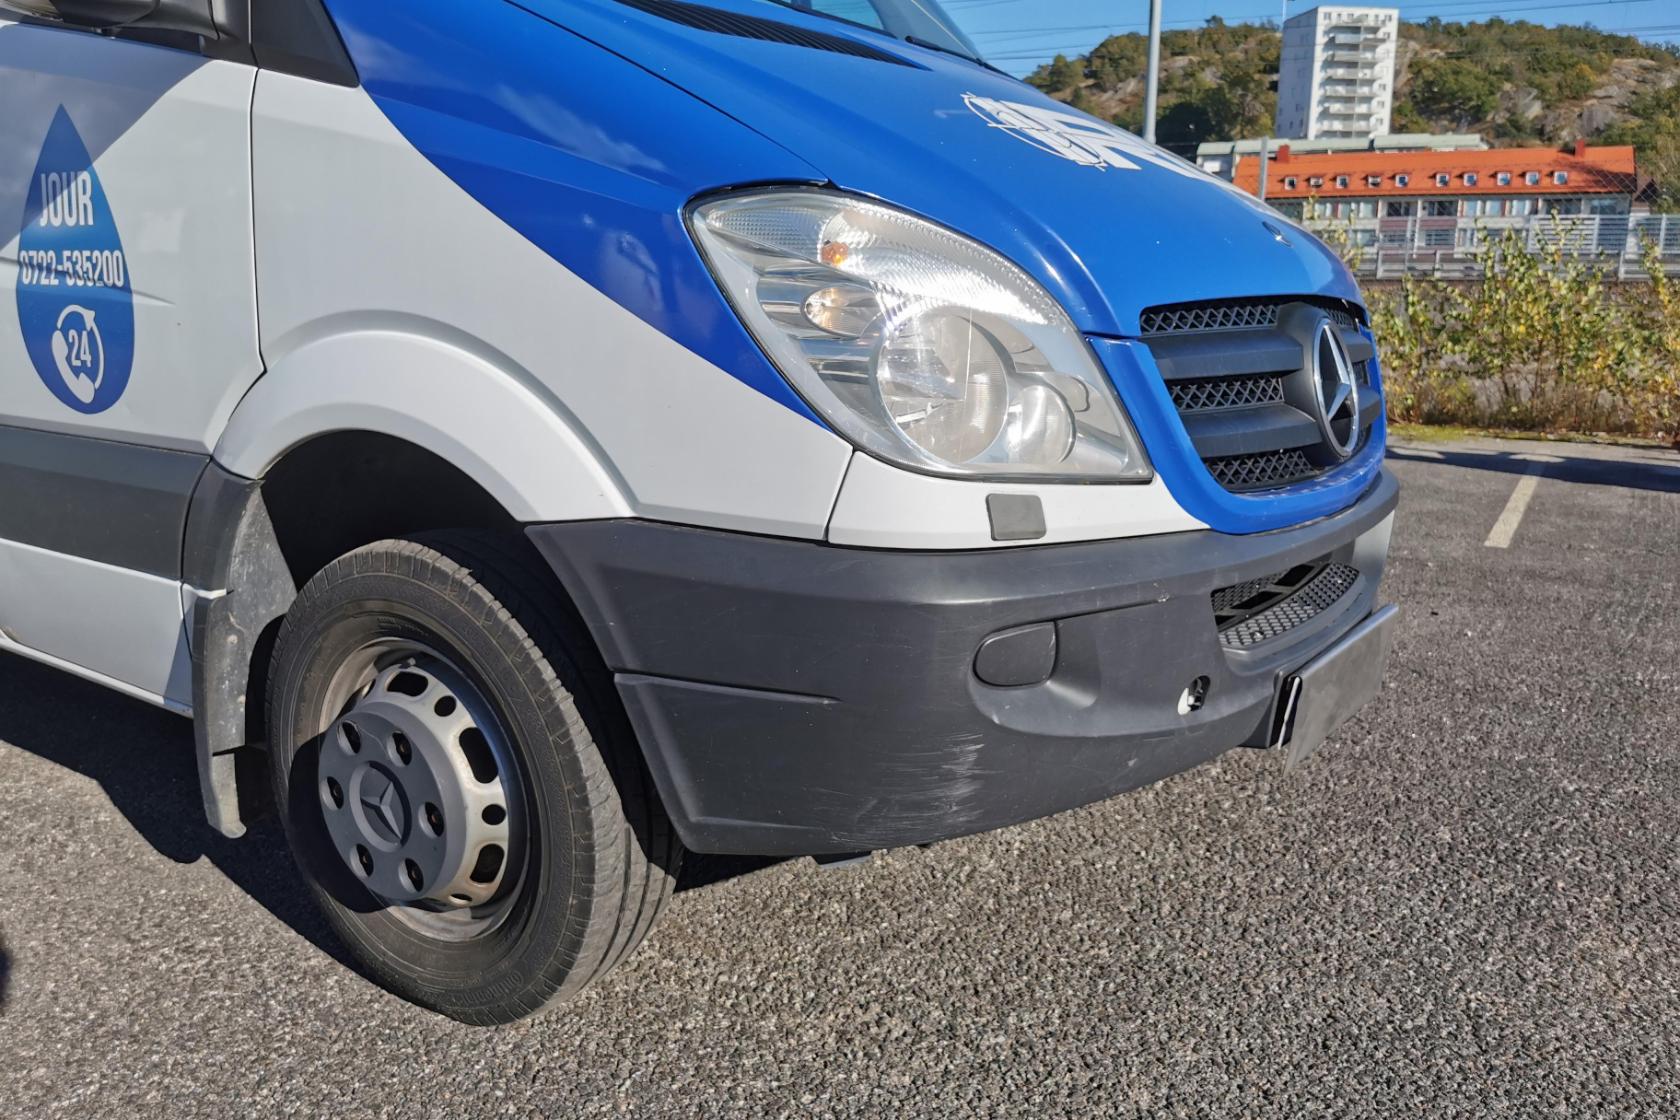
(1262, 470)
(1259, 610)
(1243, 376)
(1208, 393)
(1223, 315)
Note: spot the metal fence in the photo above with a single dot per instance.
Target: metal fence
(1450, 247)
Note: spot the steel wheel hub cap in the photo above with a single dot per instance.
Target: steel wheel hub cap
(413, 789)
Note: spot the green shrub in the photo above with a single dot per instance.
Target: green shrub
(1543, 342)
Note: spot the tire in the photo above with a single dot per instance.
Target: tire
(587, 857)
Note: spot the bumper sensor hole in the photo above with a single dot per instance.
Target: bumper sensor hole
(1193, 696)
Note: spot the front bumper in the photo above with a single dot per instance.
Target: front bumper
(797, 698)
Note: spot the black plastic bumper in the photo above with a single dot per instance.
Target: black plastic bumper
(798, 698)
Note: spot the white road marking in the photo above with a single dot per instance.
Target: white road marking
(1506, 527)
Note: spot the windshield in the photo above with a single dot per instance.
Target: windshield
(922, 22)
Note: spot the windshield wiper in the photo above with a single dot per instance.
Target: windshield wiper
(918, 41)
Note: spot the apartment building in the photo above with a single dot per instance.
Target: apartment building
(1336, 78)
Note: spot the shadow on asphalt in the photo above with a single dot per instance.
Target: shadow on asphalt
(1660, 477)
(5, 974)
(142, 757)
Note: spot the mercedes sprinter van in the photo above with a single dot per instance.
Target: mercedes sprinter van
(535, 439)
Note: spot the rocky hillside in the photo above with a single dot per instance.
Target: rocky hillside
(1514, 82)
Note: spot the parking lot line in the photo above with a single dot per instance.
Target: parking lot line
(1506, 527)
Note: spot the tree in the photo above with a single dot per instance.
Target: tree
(1062, 75)
(1457, 91)
(1654, 131)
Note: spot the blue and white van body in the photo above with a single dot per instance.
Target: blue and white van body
(921, 455)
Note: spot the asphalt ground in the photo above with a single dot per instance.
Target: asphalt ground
(1467, 905)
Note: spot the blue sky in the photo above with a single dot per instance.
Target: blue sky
(1019, 34)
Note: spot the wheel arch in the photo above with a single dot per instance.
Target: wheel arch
(426, 384)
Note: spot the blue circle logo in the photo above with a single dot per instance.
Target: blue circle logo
(74, 303)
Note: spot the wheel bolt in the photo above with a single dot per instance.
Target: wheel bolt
(434, 819)
(400, 744)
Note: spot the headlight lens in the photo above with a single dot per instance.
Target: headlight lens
(919, 345)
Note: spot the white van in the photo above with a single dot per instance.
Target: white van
(536, 439)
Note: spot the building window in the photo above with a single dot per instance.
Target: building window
(1503, 178)
(1290, 182)
(1560, 177)
(1441, 208)
(1471, 178)
(1520, 207)
(1401, 209)
(1562, 206)
(1442, 179)
(1342, 181)
(1373, 180)
(1532, 178)
(1315, 181)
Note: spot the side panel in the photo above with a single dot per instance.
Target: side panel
(110, 622)
(598, 414)
(126, 169)
(127, 332)
(116, 503)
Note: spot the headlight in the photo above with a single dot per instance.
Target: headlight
(919, 345)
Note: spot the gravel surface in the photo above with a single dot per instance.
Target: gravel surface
(1468, 904)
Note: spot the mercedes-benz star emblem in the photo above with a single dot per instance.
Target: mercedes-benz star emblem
(380, 803)
(1337, 389)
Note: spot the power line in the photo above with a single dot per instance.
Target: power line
(1048, 52)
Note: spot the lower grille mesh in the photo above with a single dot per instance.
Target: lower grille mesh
(1261, 470)
(1323, 591)
(1208, 393)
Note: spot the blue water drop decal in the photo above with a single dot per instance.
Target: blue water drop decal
(74, 302)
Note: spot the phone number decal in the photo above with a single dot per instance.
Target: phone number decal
(72, 268)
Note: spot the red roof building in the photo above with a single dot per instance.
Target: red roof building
(1584, 170)
(1431, 201)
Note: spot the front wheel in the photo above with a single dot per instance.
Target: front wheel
(461, 789)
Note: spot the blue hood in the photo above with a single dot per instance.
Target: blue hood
(1110, 225)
